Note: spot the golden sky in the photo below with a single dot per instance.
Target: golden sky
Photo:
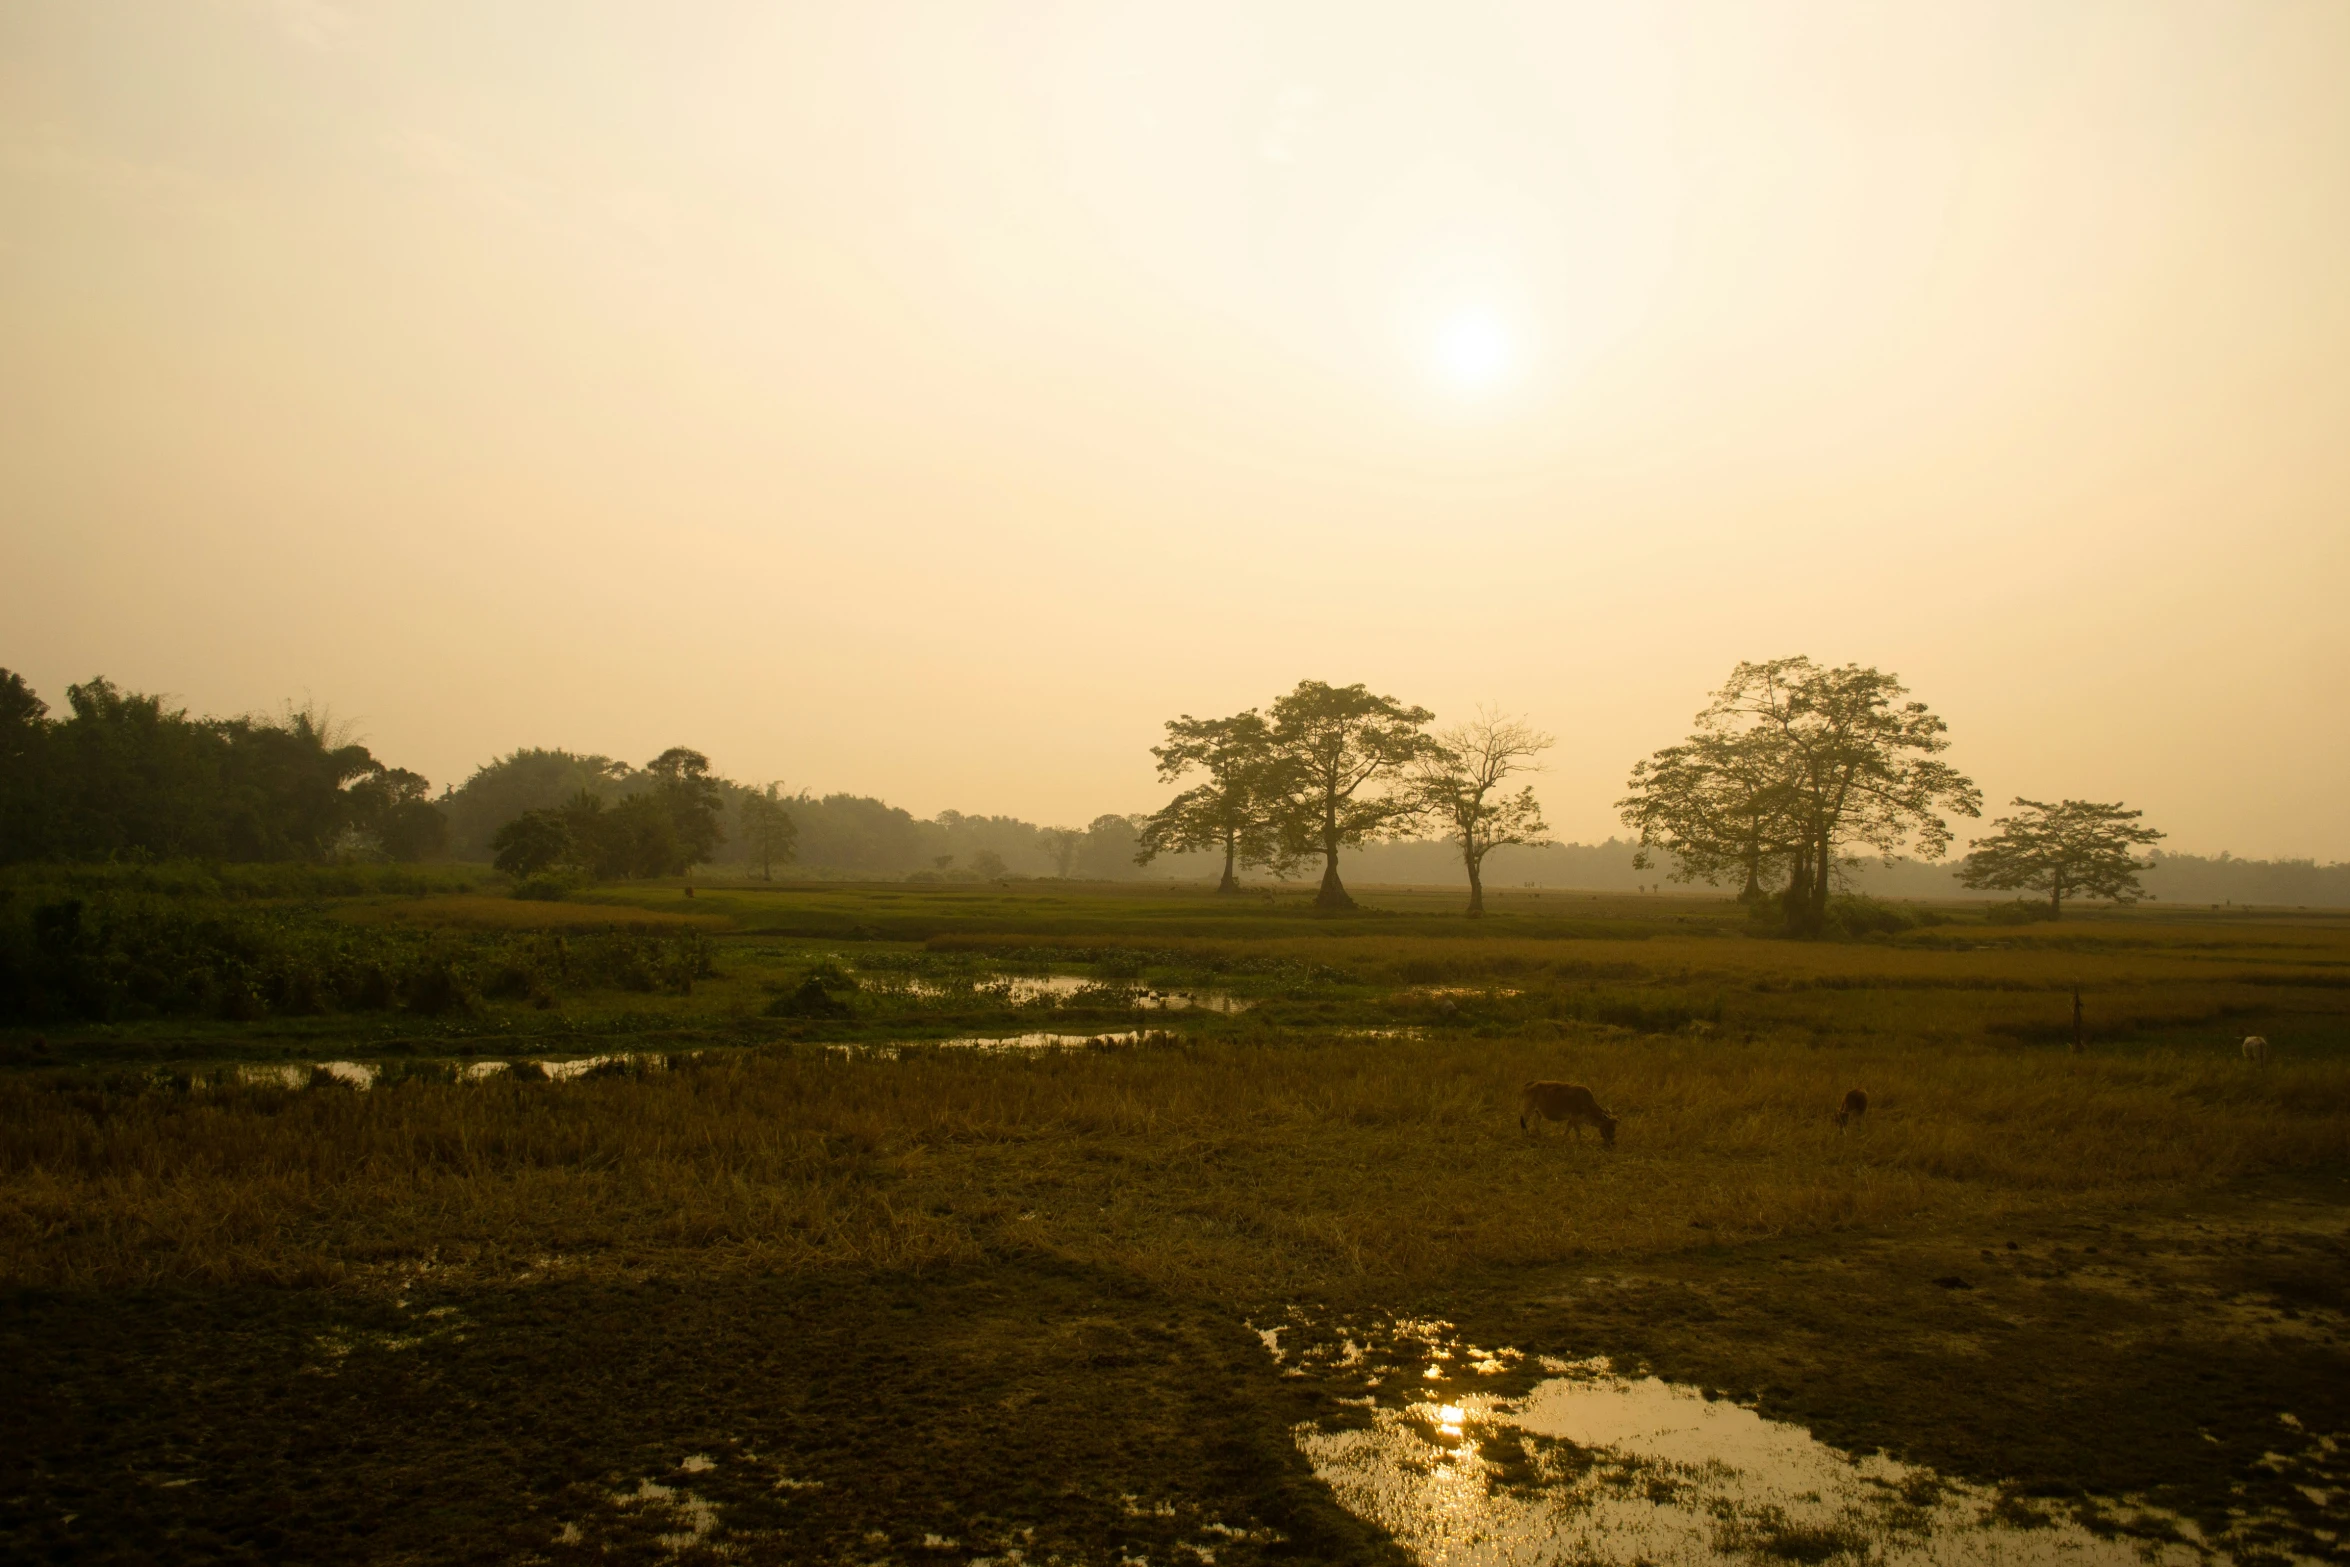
(929, 399)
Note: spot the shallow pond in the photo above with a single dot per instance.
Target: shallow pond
(1010, 1042)
(363, 1074)
(1585, 1464)
(1022, 989)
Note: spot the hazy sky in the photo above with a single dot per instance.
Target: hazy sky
(928, 400)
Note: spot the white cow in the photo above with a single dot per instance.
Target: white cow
(2256, 1050)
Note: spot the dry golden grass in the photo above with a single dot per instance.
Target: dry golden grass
(1241, 1170)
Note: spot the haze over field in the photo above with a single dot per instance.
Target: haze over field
(928, 402)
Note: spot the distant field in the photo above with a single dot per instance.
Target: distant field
(514, 973)
(895, 1289)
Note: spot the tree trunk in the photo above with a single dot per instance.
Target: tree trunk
(1805, 912)
(1231, 882)
(1333, 893)
(1794, 899)
(1476, 886)
(2056, 896)
(1822, 869)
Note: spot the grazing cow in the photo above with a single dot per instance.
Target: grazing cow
(1568, 1102)
(2256, 1050)
(1856, 1105)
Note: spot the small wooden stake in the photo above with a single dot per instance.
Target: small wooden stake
(2076, 1020)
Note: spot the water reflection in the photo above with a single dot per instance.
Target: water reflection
(310, 1074)
(1024, 989)
(366, 1074)
(1586, 1465)
(1010, 1042)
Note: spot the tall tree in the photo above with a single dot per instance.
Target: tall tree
(132, 776)
(287, 785)
(1338, 749)
(1232, 810)
(641, 838)
(2072, 849)
(394, 807)
(768, 829)
(525, 780)
(125, 775)
(1061, 845)
(1815, 761)
(693, 800)
(637, 836)
(1713, 807)
(532, 842)
(26, 815)
(1462, 785)
(1111, 848)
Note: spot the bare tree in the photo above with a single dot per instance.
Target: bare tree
(1461, 784)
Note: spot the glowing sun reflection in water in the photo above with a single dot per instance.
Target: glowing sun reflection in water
(1591, 1467)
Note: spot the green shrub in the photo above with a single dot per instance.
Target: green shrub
(127, 957)
(551, 886)
(820, 994)
(1853, 917)
(2022, 911)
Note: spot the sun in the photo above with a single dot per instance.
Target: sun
(1473, 351)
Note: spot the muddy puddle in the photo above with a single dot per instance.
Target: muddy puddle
(1472, 1456)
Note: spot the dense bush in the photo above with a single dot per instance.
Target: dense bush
(124, 957)
(1853, 917)
(235, 882)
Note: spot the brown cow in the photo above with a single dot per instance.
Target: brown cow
(1568, 1102)
(1856, 1105)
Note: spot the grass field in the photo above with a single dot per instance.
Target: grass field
(788, 1277)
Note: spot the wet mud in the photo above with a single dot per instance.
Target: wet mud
(1028, 1412)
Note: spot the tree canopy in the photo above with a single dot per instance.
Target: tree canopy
(1232, 811)
(1340, 754)
(693, 802)
(769, 833)
(126, 776)
(528, 779)
(1791, 766)
(2072, 849)
(664, 829)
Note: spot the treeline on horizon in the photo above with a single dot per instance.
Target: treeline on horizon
(121, 776)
